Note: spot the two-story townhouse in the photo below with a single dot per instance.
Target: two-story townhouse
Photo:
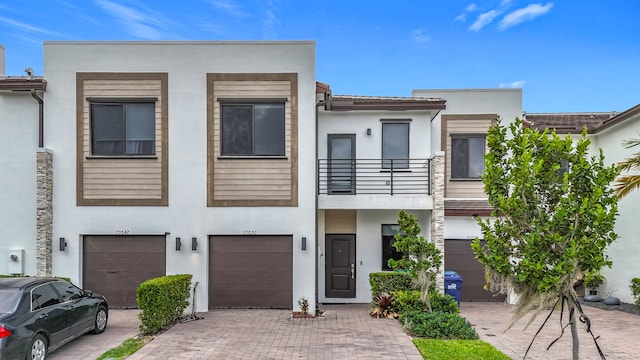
(374, 159)
(172, 157)
(460, 132)
(607, 131)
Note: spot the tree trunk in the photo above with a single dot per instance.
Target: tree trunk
(574, 333)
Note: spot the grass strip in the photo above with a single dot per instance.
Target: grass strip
(432, 349)
(127, 348)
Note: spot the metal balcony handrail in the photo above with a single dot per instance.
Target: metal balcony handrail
(374, 176)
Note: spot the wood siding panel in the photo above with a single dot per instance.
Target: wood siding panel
(463, 124)
(252, 182)
(340, 221)
(117, 180)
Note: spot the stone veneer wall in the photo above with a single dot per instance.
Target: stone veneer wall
(437, 214)
(44, 212)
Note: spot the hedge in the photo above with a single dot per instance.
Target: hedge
(162, 301)
(386, 282)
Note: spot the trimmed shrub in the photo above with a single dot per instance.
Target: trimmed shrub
(438, 325)
(635, 290)
(409, 300)
(443, 303)
(386, 282)
(162, 301)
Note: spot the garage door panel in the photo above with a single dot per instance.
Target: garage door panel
(460, 258)
(115, 266)
(251, 271)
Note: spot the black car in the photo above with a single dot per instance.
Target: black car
(38, 315)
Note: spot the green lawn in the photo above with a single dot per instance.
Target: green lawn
(432, 349)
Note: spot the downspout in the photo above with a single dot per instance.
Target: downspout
(40, 117)
(318, 104)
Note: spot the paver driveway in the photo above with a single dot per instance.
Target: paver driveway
(345, 332)
(619, 333)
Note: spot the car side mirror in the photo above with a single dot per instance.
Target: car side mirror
(88, 293)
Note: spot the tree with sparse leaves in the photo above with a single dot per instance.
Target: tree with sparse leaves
(420, 257)
(553, 218)
(629, 182)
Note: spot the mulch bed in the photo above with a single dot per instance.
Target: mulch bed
(624, 307)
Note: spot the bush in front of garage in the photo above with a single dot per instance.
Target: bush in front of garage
(162, 301)
(387, 282)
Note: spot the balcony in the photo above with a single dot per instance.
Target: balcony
(374, 183)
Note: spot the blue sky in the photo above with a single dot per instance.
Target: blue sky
(566, 55)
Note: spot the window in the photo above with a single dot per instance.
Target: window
(467, 156)
(67, 290)
(123, 129)
(43, 296)
(395, 145)
(388, 251)
(253, 129)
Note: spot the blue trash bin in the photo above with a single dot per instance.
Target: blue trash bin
(452, 285)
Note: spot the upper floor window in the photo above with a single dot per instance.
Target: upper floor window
(467, 156)
(253, 129)
(395, 145)
(121, 128)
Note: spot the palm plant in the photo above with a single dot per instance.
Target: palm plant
(625, 184)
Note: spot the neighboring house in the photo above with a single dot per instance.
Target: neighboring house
(607, 131)
(169, 157)
(460, 131)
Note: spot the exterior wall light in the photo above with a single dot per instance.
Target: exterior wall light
(62, 245)
(194, 244)
(368, 131)
(178, 244)
(304, 243)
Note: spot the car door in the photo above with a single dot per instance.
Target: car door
(49, 314)
(80, 311)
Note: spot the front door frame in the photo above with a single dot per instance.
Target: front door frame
(344, 273)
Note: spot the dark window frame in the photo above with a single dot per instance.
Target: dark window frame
(36, 304)
(464, 172)
(388, 251)
(146, 146)
(400, 163)
(277, 151)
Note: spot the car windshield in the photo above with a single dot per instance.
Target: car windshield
(8, 300)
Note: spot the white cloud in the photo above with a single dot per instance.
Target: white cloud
(484, 19)
(463, 16)
(230, 7)
(419, 36)
(530, 12)
(513, 85)
(30, 29)
(270, 21)
(146, 25)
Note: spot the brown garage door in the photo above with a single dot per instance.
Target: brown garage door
(251, 271)
(460, 258)
(114, 266)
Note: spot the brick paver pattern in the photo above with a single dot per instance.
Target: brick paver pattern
(619, 333)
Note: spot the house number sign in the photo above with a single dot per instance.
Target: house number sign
(122, 232)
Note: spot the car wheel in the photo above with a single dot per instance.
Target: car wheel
(38, 348)
(100, 322)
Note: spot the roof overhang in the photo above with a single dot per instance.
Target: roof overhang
(22, 84)
(382, 103)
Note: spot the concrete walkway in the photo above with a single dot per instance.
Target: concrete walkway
(619, 333)
(122, 325)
